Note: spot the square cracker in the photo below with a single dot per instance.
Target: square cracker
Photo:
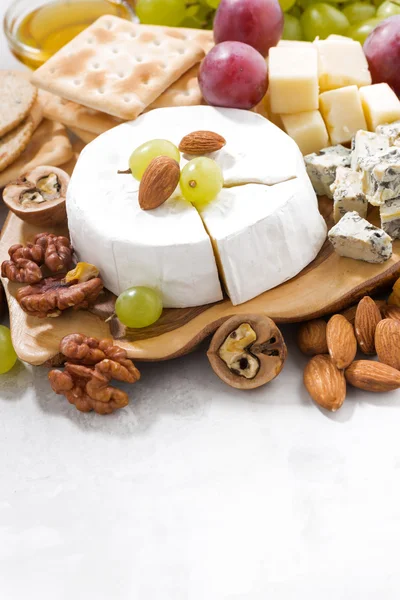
(75, 115)
(184, 92)
(49, 145)
(117, 67)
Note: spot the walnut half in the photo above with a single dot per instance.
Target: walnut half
(247, 351)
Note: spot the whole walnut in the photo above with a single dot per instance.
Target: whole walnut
(57, 251)
(21, 270)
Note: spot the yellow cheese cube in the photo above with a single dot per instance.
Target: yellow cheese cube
(342, 112)
(339, 38)
(293, 79)
(380, 104)
(275, 119)
(341, 63)
(308, 130)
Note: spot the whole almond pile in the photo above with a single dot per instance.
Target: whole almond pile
(371, 326)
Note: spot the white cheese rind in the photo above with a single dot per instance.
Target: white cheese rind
(321, 167)
(264, 235)
(354, 237)
(348, 195)
(169, 248)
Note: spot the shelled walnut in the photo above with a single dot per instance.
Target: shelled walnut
(91, 366)
(55, 252)
(247, 351)
(51, 296)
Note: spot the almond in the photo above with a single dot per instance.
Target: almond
(392, 312)
(342, 343)
(350, 313)
(158, 182)
(201, 142)
(372, 376)
(387, 342)
(325, 383)
(367, 318)
(311, 337)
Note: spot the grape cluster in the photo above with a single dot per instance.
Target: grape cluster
(307, 19)
(304, 19)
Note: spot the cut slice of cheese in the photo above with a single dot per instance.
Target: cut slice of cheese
(341, 62)
(263, 236)
(293, 79)
(342, 112)
(169, 248)
(380, 104)
(308, 130)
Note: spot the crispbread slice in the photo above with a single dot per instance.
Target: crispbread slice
(117, 67)
(17, 96)
(14, 143)
(85, 136)
(49, 146)
(75, 115)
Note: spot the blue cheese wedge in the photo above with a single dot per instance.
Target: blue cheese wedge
(392, 132)
(390, 218)
(348, 195)
(366, 144)
(381, 176)
(354, 237)
(321, 167)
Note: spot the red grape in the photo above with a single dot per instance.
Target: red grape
(382, 49)
(234, 75)
(258, 23)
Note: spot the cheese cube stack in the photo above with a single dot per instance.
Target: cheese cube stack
(330, 76)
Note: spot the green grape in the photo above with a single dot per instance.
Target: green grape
(292, 28)
(287, 4)
(215, 3)
(322, 20)
(144, 154)
(8, 356)
(306, 3)
(139, 307)
(191, 11)
(359, 11)
(161, 12)
(388, 9)
(360, 31)
(296, 11)
(201, 180)
(378, 2)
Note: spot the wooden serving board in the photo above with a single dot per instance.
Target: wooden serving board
(328, 284)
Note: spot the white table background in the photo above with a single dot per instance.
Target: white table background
(197, 491)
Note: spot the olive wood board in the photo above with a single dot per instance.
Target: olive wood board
(329, 284)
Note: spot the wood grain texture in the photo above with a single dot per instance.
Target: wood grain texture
(329, 284)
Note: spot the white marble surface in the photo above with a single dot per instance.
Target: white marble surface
(197, 491)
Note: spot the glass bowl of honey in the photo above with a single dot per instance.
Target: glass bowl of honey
(36, 29)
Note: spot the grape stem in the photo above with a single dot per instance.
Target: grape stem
(127, 172)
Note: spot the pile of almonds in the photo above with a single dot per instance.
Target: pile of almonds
(374, 329)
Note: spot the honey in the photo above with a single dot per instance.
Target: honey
(46, 29)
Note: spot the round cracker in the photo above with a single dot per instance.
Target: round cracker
(14, 143)
(17, 96)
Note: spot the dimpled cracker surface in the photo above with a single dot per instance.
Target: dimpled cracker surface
(117, 67)
(184, 92)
